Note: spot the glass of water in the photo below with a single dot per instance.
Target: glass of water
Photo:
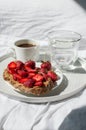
(64, 46)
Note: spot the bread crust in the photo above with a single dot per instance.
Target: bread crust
(35, 90)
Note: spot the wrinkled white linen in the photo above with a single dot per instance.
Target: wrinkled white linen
(34, 19)
(16, 115)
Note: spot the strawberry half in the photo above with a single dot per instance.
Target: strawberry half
(11, 71)
(12, 65)
(52, 75)
(30, 70)
(30, 64)
(29, 83)
(38, 77)
(19, 64)
(22, 73)
(39, 83)
(23, 80)
(16, 77)
(31, 75)
(43, 70)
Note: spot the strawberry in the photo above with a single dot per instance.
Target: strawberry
(31, 75)
(30, 64)
(29, 83)
(11, 71)
(46, 65)
(19, 64)
(16, 77)
(45, 76)
(23, 80)
(22, 73)
(30, 70)
(12, 65)
(52, 75)
(39, 83)
(43, 70)
(38, 77)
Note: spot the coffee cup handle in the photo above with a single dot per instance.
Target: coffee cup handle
(9, 53)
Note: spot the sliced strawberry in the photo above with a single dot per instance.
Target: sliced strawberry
(43, 70)
(31, 75)
(46, 65)
(29, 83)
(23, 80)
(30, 64)
(38, 77)
(19, 64)
(11, 71)
(12, 65)
(52, 75)
(22, 73)
(16, 77)
(44, 76)
(38, 84)
(30, 70)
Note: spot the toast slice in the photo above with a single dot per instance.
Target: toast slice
(40, 86)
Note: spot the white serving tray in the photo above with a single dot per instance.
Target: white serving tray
(69, 85)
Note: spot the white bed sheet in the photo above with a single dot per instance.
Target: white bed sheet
(34, 19)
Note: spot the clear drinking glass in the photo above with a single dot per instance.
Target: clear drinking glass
(64, 46)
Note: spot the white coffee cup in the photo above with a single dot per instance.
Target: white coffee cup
(26, 50)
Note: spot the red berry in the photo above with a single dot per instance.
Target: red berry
(45, 76)
(11, 71)
(52, 75)
(23, 80)
(30, 70)
(16, 77)
(46, 65)
(19, 64)
(29, 83)
(38, 77)
(22, 73)
(38, 84)
(30, 64)
(12, 65)
(31, 75)
(43, 70)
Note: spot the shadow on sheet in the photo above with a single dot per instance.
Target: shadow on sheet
(76, 120)
(82, 3)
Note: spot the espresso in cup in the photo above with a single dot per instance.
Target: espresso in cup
(26, 45)
(26, 50)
